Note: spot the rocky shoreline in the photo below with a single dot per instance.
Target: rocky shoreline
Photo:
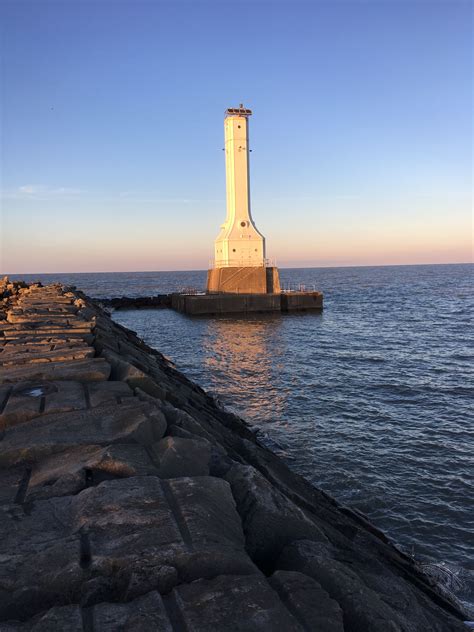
(130, 500)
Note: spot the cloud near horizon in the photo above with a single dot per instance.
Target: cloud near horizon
(39, 191)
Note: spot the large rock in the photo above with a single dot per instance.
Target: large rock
(237, 604)
(110, 532)
(133, 421)
(270, 519)
(309, 603)
(28, 400)
(145, 614)
(182, 457)
(60, 619)
(390, 603)
(91, 369)
(62, 354)
(71, 471)
(134, 376)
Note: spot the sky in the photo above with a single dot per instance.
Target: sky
(112, 131)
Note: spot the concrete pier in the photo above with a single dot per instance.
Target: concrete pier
(219, 304)
(131, 501)
(222, 304)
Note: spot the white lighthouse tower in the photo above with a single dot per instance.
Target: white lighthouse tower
(239, 250)
(239, 243)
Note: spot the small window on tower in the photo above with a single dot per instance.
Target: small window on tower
(243, 224)
(233, 249)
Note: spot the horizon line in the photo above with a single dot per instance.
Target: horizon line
(382, 265)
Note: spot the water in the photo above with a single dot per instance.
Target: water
(370, 400)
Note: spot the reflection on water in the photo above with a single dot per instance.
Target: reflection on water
(244, 357)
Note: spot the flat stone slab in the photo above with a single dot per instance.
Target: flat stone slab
(182, 457)
(240, 604)
(23, 401)
(73, 470)
(63, 339)
(41, 326)
(225, 603)
(60, 619)
(62, 354)
(90, 369)
(11, 349)
(132, 421)
(144, 614)
(112, 531)
(47, 317)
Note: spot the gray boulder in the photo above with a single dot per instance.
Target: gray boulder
(269, 518)
(182, 457)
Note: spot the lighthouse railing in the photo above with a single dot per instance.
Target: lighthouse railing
(238, 263)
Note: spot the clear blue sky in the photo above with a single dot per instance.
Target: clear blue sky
(112, 117)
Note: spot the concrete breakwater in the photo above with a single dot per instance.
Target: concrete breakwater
(137, 302)
(222, 304)
(131, 500)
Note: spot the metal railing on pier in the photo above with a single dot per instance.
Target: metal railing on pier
(190, 290)
(287, 288)
(239, 263)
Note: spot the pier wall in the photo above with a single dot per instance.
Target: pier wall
(130, 500)
(243, 280)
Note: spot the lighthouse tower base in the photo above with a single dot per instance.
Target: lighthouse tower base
(243, 280)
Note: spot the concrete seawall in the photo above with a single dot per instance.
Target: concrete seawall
(222, 304)
(131, 501)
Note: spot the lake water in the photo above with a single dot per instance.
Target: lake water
(372, 400)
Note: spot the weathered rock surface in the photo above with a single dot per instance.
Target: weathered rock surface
(307, 601)
(119, 526)
(270, 519)
(243, 604)
(90, 369)
(129, 500)
(182, 457)
(370, 595)
(128, 422)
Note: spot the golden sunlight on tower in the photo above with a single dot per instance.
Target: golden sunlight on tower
(239, 243)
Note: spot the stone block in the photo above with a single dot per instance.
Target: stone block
(136, 378)
(92, 369)
(365, 608)
(309, 603)
(133, 421)
(110, 531)
(60, 619)
(145, 614)
(101, 393)
(73, 470)
(237, 604)
(270, 519)
(182, 457)
(60, 354)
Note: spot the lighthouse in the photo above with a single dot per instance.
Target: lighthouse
(240, 265)
(239, 243)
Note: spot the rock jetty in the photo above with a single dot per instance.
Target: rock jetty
(131, 501)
